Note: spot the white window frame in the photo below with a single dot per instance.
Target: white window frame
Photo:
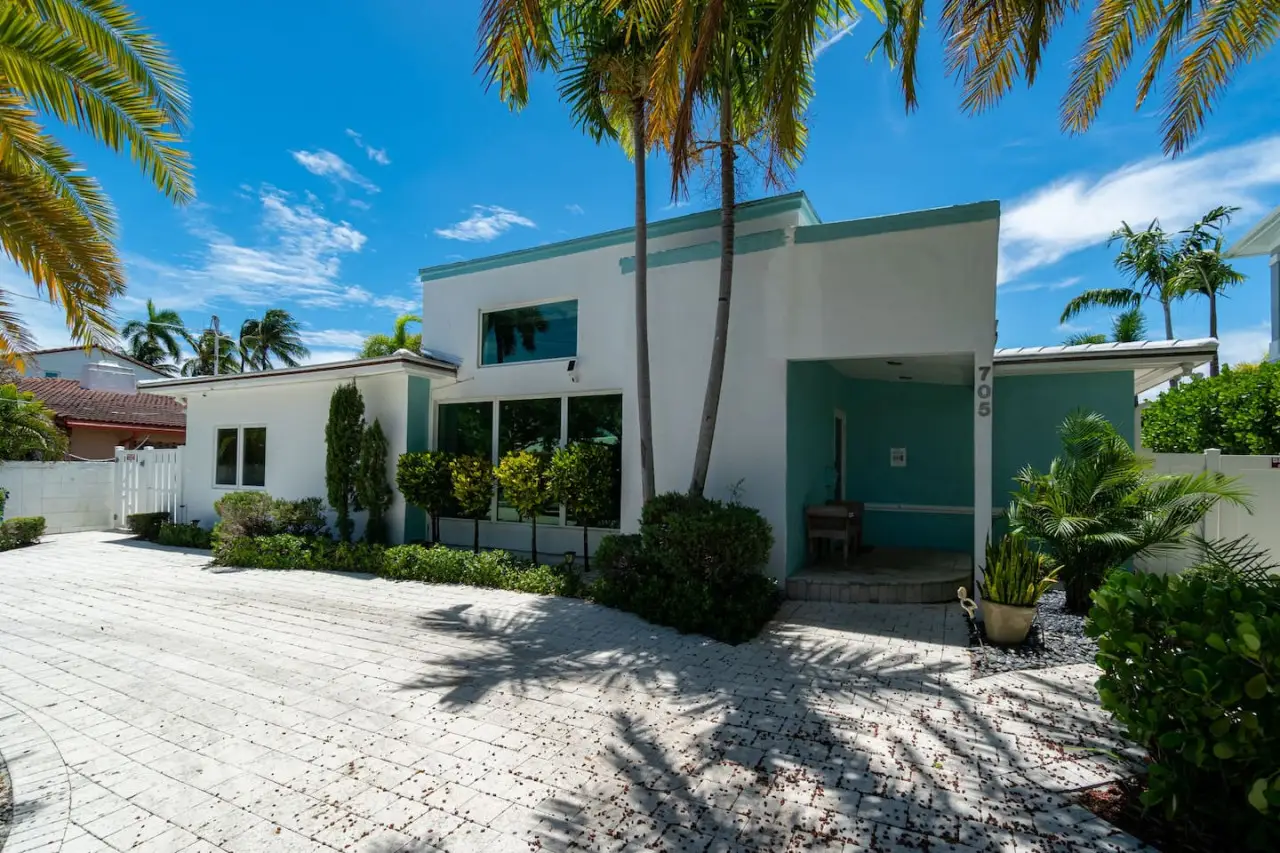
(434, 433)
(577, 339)
(239, 483)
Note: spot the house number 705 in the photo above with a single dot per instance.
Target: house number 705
(984, 391)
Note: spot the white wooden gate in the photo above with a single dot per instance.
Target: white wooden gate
(148, 480)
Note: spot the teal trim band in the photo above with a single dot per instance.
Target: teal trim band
(744, 245)
(418, 412)
(746, 212)
(914, 220)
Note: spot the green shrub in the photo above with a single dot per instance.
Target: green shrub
(302, 517)
(244, 514)
(426, 482)
(347, 556)
(472, 489)
(579, 477)
(1237, 412)
(493, 569)
(1015, 573)
(281, 551)
(696, 566)
(4, 498)
(184, 536)
(1191, 669)
(372, 489)
(342, 437)
(20, 532)
(523, 477)
(146, 524)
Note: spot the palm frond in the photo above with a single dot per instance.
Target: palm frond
(1107, 297)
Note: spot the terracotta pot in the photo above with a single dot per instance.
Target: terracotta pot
(1007, 624)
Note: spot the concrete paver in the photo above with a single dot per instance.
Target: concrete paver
(149, 702)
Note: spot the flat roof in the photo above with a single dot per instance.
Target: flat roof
(1262, 239)
(1152, 362)
(401, 360)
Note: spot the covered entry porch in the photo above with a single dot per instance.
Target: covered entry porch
(885, 459)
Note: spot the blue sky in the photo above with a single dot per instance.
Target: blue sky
(340, 146)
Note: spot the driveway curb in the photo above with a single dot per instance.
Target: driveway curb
(41, 791)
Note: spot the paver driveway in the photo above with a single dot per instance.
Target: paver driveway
(148, 702)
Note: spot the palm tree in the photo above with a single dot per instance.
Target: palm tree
(611, 49)
(155, 340)
(989, 45)
(1099, 505)
(276, 333)
(1201, 269)
(27, 428)
(200, 363)
(1126, 327)
(1149, 259)
(88, 64)
(379, 344)
(749, 63)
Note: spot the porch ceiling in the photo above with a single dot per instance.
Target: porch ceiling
(933, 369)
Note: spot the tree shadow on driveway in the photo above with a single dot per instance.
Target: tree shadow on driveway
(840, 724)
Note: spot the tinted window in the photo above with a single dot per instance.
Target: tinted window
(532, 333)
(255, 457)
(532, 425)
(599, 419)
(225, 458)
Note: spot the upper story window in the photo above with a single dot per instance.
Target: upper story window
(529, 333)
(51, 374)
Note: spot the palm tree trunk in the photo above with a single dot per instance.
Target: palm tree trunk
(1213, 329)
(586, 551)
(643, 393)
(715, 374)
(1168, 329)
(475, 544)
(644, 398)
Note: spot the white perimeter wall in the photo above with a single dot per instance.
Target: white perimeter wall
(294, 415)
(71, 496)
(1256, 475)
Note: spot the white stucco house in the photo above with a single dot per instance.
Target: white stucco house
(862, 365)
(1263, 239)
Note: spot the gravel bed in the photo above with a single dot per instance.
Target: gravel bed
(1056, 639)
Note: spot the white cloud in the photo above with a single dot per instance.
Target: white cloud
(326, 164)
(575, 209)
(1241, 346)
(345, 338)
(1073, 329)
(377, 155)
(325, 356)
(298, 258)
(843, 26)
(1077, 212)
(486, 222)
(359, 205)
(356, 295)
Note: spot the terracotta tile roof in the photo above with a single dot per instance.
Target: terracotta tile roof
(71, 402)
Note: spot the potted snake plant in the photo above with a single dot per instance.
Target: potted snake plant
(1016, 577)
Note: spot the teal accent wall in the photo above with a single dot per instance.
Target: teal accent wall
(1029, 409)
(419, 409)
(815, 390)
(933, 422)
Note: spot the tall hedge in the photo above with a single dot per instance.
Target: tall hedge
(372, 488)
(1238, 412)
(342, 436)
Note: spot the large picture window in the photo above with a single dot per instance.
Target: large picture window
(540, 425)
(240, 457)
(532, 333)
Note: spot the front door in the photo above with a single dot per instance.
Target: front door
(839, 456)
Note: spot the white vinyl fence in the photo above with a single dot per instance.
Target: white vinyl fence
(1258, 475)
(71, 496)
(148, 480)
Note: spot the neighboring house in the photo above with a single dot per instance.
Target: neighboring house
(1264, 239)
(69, 362)
(861, 365)
(102, 410)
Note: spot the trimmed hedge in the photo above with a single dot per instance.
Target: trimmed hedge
(1191, 669)
(437, 564)
(20, 532)
(146, 524)
(184, 536)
